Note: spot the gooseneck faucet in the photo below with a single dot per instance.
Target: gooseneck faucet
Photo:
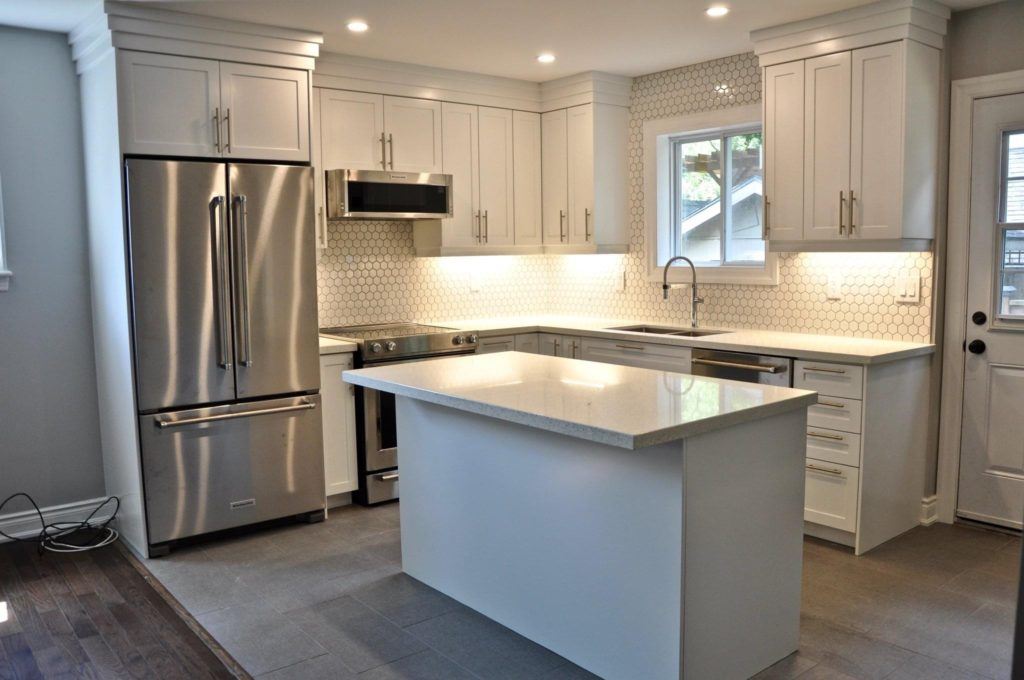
(694, 298)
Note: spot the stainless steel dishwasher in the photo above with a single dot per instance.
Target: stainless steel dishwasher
(755, 368)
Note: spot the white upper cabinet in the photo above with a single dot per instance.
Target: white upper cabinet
(526, 168)
(352, 129)
(168, 105)
(580, 136)
(555, 175)
(413, 129)
(826, 146)
(496, 172)
(183, 106)
(461, 159)
(784, 162)
(266, 112)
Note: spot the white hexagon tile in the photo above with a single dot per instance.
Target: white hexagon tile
(369, 272)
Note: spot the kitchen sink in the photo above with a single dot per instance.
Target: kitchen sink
(668, 330)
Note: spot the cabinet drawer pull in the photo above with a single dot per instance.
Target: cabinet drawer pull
(638, 348)
(760, 368)
(828, 471)
(831, 404)
(821, 369)
(821, 435)
(495, 342)
(388, 477)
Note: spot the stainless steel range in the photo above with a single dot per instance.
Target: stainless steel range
(381, 344)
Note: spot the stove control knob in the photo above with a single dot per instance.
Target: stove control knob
(390, 346)
(472, 338)
(374, 347)
(458, 340)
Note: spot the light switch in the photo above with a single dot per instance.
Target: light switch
(835, 286)
(908, 288)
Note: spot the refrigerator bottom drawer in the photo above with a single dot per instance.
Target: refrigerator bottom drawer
(381, 486)
(228, 466)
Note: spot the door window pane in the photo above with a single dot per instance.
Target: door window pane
(1013, 182)
(698, 200)
(746, 179)
(1011, 279)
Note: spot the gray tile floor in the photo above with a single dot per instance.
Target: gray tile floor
(329, 601)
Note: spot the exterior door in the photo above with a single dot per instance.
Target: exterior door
(267, 112)
(784, 142)
(496, 193)
(413, 128)
(181, 292)
(352, 130)
(461, 160)
(992, 453)
(826, 146)
(274, 266)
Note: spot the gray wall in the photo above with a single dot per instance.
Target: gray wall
(49, 437)
(987, 40)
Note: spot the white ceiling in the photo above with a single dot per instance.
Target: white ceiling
(497, 37)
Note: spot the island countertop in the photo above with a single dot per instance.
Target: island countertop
(617, 405)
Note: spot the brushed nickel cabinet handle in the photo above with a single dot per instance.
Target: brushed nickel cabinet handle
(831, 404)
(760, 368)
(852, 199)
(389, 477)
(216, 128)
(487, 227)
(383, 152)
(828, 471)
(822, 435)
(821, 369)
(561, 226)
(586, 224)
(842, 208)
(638, 348)
(227, 119)
(391, 148)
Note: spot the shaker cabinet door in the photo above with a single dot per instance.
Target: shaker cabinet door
(352, 130)
(461, 161)
(413, 129)
(496, 172)
(266, 112)
(784, 151)
(827, 147)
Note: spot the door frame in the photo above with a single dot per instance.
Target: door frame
(963, 95)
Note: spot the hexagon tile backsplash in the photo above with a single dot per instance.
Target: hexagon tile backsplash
(369, 272)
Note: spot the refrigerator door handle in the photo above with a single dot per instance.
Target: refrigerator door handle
(304, 406)
(220, 274)
(241, 250)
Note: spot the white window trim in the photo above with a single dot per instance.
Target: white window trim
(5, 273)
(657, 135)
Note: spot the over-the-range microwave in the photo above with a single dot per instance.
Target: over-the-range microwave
(381, 194)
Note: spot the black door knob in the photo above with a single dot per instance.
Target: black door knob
(976, 347)
(979, 318)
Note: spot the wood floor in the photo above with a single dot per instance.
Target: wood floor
(91, 615)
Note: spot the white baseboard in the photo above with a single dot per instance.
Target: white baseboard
(25, 524)
(929, 510)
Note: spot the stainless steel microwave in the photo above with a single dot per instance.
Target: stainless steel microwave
(380, 194)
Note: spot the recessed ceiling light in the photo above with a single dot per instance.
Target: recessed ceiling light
(717, 11)
(357, 26)
(545, 58)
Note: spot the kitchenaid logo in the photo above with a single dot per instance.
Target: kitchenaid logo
(247, 503)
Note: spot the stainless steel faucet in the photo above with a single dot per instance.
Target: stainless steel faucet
(694, 298)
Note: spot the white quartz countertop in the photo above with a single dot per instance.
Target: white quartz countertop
(617, 405)
(796, 345)
(335, 346)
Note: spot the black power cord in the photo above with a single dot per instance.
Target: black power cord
(68, 537)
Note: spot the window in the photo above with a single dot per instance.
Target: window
(1010, 283)
(703, 197)
(717, 199)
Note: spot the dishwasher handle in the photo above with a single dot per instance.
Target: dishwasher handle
(759, 368)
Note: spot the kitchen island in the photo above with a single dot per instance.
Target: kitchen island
(642, 524)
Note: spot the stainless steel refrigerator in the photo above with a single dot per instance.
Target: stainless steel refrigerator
(223, 285)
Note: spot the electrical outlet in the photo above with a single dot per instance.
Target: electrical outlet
(835, 286)
(908, 289)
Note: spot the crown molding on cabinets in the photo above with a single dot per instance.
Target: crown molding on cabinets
(347, 72)
(136, 27)
(923, 21)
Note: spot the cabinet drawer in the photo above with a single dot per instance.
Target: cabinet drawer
(527, 342)
(834, 380)
(833, 446)
(497, 343)
(830, 495)
(835, 413)
(640, 354)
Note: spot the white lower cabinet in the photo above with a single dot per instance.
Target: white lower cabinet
(555, 345)
(830, 495)
(528, 342)
(337, 400)
(640, 354)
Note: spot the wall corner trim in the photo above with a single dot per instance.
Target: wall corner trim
(929, 510)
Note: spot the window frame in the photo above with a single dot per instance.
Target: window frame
(660, 200)
(1003, 226)
(5, 273)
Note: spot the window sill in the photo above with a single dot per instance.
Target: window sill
(748, 276)
(5, 279)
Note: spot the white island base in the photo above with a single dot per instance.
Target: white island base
(681, 559)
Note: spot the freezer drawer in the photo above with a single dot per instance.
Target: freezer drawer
(227, 466)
